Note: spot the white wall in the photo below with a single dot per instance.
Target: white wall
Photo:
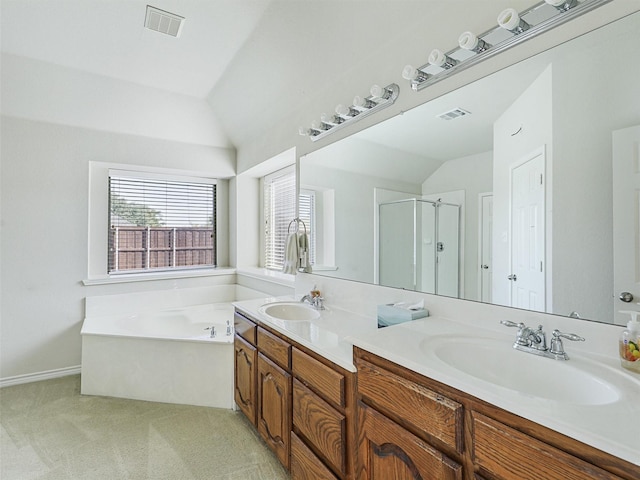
(532, 113)
(584, 215)
(55, 121)
(354, 199)
(474, 175)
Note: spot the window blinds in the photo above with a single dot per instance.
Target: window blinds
(279, 210)
(160, 224)
(307, 213)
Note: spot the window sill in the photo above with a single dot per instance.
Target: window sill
(265, 274)
(146, 277)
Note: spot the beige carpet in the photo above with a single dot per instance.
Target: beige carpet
(49, 431)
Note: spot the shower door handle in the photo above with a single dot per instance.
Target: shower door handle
(484, 267)
(513, 277)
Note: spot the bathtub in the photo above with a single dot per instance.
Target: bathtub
(151, 346)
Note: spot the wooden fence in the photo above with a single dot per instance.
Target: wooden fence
(143, 248)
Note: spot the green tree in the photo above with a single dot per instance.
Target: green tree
(135, 213)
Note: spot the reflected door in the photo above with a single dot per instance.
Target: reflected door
(447, 250)
(397, 258)
(486, 247)
(626, 220)
(527, 234)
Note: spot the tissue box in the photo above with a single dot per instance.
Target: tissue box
(392, 315)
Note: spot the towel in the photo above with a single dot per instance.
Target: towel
(303, 245)
(291, 255)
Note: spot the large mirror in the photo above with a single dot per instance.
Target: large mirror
(502, 191)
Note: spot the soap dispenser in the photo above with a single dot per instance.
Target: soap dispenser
(630, 343)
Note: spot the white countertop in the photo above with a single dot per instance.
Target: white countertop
(326, 336)
(610, 427)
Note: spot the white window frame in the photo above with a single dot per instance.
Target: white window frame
(135, 176)
(269, 253)
(98, 218)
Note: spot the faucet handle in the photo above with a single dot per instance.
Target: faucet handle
(569, 336)
(521, 337)
(508, 323)
(557, 348)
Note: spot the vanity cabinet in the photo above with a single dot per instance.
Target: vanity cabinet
(274, 393)
(323, 415)
(412, 427)
(302, 404)
(245, 366)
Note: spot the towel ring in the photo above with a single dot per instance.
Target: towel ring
(297, 221)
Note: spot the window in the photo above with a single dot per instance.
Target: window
(159, 223)
(307, 213)
(279, 190)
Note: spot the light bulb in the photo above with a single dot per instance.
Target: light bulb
(510, 20)
(303, 131)
(325, 118)
(409, 72)
(378, 92)
(315, 125)
(470, 41)
(439, 59)
(342, 110)
(360, 102)
(562, 5)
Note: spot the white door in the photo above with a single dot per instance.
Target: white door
(485, 251)
(626, 220)
(528, 234)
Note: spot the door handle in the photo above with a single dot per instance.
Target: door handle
(513, 277)
(485, 267)
(626, 297)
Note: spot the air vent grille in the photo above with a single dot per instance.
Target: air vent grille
(163, 22)
(453, 114)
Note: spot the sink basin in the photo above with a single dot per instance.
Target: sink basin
(290, 311)
(496, 362)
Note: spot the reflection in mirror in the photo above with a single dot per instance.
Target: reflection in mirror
(501, 191)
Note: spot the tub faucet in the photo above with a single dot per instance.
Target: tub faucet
(213, 331)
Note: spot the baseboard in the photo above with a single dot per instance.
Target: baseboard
(36, 377)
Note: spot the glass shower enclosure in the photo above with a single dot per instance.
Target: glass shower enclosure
(419, 246)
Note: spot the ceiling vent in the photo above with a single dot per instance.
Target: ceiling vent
(452, 114)
(163, 22)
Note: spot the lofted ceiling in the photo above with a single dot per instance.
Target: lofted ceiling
(255, 61)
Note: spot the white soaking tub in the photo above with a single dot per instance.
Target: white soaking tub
(146, 346)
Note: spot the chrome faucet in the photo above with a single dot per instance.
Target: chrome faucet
(535, 341)
(314, 299)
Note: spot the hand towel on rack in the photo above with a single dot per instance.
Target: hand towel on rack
(291, 255)
(303, 244)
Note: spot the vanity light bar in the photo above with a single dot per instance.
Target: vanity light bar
(362, 107)
(513, 28)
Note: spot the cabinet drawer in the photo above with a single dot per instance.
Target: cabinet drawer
(321, 425)
(245, 328)
(321, 378)
(504, 453)
(416, 405)
(275, 348)
(305, 465)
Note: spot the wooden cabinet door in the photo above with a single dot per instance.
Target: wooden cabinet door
(387, 451)
(244, 376)
(321, 425)
(274, 408)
